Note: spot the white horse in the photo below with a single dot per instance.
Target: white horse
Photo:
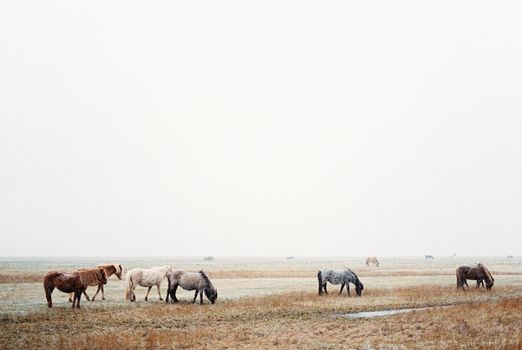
(145, 278)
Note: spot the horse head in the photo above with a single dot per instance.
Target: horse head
(101, 275)
(487, 277)
(211, 294)
(359, 288)
(119, 271)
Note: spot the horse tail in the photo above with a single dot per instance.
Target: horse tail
(320, 281)
(48, 279)
(128, 287)
(459, 278)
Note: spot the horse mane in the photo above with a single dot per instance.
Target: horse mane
(486, 272)
(205, 277)
(354, 275)
(109, 269)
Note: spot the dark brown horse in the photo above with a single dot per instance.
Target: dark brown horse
(479, 273)
(75, 283)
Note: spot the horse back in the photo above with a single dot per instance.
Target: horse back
(89, 277)
(188, 280)
(65, 282)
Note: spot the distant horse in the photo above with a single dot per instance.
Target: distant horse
(145, 278)
(109, 271)
(209, 258)
(429, 257)
(342, 277)
(478, 272)
(372, 261)
(197, 281)
(75, 283)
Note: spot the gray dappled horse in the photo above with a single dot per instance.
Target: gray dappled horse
(342, 277)
(197, 281)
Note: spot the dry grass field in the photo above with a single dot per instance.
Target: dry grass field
(282, 312)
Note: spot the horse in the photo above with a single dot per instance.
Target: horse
(109, 271)
(75, 283)
(372, 261)
(429, 257)
(145, 278)
(191, 281)
(342, 277)
(478, 272)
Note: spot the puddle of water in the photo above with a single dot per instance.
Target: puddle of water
(382, 313)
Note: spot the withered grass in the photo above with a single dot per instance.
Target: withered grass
(300, 320)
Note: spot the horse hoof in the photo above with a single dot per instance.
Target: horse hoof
(161, 299)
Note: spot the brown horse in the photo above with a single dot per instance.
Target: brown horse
(75, 283)
(109, 271)
(479, 273)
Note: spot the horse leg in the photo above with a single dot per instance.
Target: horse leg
(201, 298)
(79, 297)
(341, 291)
(86, 296)
(97, 291)
(348, 288)
(147, 295)
(103, 292)
(75, 298)
(48, 292)
(158, 286)
(173, 294)
(324, 287)
(195, 296)
(71, 295)
(133, 296)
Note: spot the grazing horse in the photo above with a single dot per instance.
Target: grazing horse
(75, 283)
(197, 281)
(372, 261)
(429, 257)
(145, 278)
(342, 277)
(478, 272)
(109, 271)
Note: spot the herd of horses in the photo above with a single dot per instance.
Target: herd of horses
(76, 283)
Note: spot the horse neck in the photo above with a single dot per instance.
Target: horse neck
(163, 270)
(487, 274)
(109, 270)
(208, 284)
(353, 277)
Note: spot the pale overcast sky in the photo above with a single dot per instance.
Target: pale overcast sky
(166, 128)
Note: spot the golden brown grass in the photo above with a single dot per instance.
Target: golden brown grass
(21, 277)
(28, 277)
(480, 320)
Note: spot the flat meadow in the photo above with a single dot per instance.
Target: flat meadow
(269, 303)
